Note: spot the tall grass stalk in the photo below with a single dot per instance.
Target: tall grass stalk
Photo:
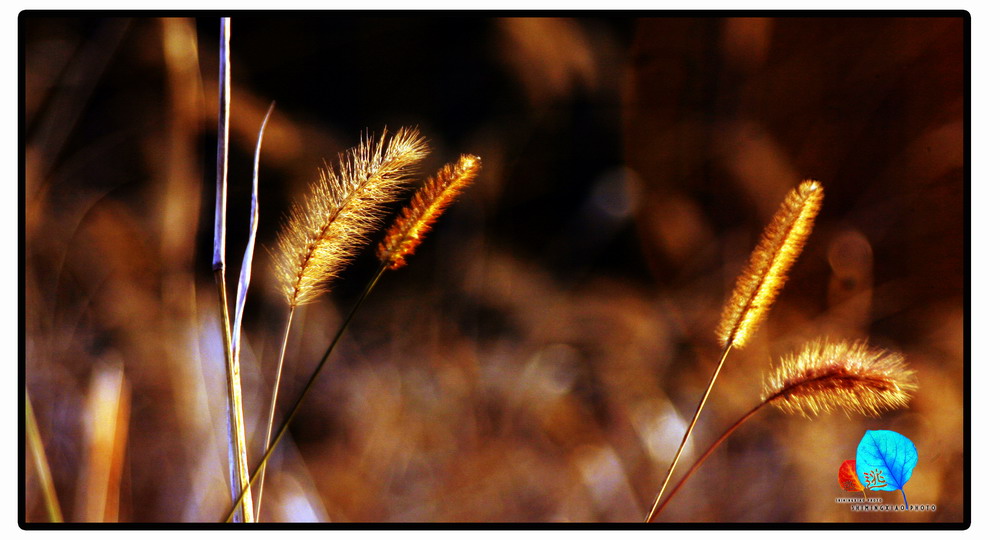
(653, 511)
(756, 289)
(239, 477)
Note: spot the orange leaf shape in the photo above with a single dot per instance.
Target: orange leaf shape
(848, 477)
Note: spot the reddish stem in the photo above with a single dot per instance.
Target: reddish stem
(705, 455)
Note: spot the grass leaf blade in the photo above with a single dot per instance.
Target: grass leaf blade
(244, 284)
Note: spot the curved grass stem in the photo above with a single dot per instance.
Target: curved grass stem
(697, 464)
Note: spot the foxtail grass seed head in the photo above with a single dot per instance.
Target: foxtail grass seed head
(840, 375)
(426, 205)
(765, 274)
(342, 208)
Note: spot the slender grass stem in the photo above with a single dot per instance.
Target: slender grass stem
(697, 464)
(274, 402)
(237, 437)
(238, 451)
(222, 150)
(309, 384)
(694, 420)
(34, 439)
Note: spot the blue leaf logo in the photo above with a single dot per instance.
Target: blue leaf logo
(885, 461)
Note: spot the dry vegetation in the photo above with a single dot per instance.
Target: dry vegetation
(539, 356)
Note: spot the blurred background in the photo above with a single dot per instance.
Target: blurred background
(539, 357)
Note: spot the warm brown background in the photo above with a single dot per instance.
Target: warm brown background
(539, 357)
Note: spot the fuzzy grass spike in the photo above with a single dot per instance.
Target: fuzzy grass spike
(765, 274)
(425, 207)
(850, 376)
(341, 210)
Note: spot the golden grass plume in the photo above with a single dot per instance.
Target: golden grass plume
(342, 208)
(424, 208)
(765, 274)
(840, 375)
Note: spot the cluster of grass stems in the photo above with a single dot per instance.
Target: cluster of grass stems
(824, 375)
(320, 237)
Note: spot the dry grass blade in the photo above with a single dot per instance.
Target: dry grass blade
(245, 271)
(840, 375)
(425, 207)
(341, 210)
(33, 438)
(763, 277)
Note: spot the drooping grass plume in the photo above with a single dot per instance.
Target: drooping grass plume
(850, 376)
(826, 376)
(342, 208)
(763, 277)
(756, 289)
(425, 207)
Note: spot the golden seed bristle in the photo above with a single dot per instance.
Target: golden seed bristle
(424, 208)
(342, 208)
(840, 375)
(765, 274)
